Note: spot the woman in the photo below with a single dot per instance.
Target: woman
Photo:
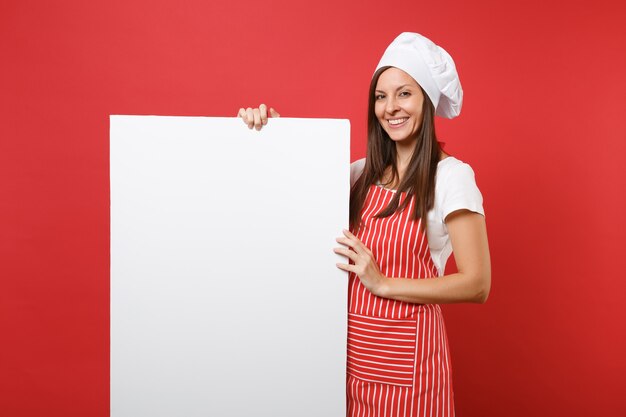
(410, 205)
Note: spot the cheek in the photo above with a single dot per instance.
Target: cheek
(416, 110)
(418, 120)
(379, 111)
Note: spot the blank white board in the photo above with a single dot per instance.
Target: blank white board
(225, 297)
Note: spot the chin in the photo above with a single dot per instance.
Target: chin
(397, 138)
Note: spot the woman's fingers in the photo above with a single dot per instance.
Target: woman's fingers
(257, 119)
(263, 111)
(347, 253)
(249, 119)
(358, 245)
(274, 113)
(243, 113)
(363, 264)
(353, 242)
(349, 235)
(346, 267)
(345, 241)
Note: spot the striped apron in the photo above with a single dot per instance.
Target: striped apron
(398, 359)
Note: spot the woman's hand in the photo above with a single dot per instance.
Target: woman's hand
(256, 117)
(365, 266)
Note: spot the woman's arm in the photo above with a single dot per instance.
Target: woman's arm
(472, 282)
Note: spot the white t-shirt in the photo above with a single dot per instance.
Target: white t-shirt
(455, 188)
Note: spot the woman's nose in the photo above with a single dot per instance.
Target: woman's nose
(391, 105)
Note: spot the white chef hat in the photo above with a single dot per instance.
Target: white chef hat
(431, 66)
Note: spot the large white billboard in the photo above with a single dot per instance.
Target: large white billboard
(225, 297)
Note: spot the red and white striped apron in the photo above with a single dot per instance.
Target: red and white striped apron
(398, 360)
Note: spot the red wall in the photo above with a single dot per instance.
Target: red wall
(542, 125)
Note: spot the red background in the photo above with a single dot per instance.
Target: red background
(542, 126)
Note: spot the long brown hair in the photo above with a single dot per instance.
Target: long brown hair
(419, 179)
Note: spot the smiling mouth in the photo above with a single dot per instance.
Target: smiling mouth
(397, 122)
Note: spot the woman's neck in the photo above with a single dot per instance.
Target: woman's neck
(403, 158)
(404, 152)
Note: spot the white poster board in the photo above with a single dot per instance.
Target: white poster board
(225, 297)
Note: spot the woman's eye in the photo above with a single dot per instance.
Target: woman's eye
(379, 96)
(405, 94)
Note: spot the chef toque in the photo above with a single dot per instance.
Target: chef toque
(431, 66)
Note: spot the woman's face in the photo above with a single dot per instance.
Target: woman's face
(398, 105)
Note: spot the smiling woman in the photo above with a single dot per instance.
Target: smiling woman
(411, 204)
(400, 119)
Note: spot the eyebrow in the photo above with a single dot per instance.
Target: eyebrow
(399, 88)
